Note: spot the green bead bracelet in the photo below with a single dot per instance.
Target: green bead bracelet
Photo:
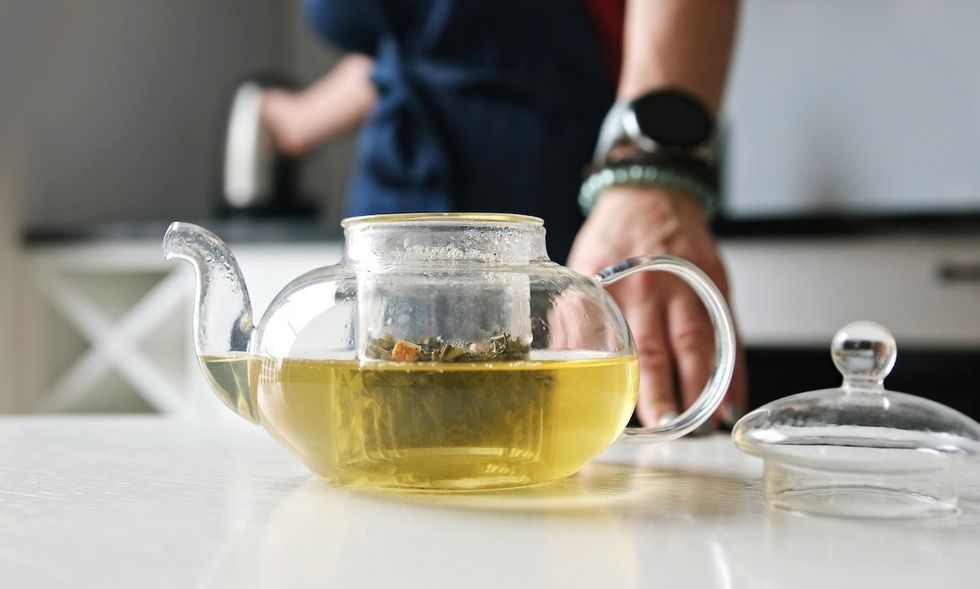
(646, 175)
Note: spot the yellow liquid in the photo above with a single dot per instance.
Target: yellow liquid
(445, 426)
(230, 377)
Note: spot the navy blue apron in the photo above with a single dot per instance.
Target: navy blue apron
(483, 105)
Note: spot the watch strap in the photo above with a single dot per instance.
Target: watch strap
(612, 131)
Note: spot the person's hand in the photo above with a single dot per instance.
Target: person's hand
(339, 101)
(279, 117)
(672, 330)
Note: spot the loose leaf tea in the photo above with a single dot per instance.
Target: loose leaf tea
(498, 348)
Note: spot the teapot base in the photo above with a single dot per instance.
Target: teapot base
(453, 469)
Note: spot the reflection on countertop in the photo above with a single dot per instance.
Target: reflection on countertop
(688, 513)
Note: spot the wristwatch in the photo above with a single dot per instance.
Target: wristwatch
(667, 118)
(661, 139)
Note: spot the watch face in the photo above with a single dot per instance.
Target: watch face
(671, 118)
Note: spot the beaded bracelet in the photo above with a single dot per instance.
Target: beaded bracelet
(643, 174)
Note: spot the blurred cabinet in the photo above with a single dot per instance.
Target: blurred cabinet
(798, 292)
(107, 326)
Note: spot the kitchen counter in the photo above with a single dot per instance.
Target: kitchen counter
(157, 502)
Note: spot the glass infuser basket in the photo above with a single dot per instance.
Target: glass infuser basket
(861, 450)
(444, 351)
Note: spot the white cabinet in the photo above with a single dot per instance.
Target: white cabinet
(107, 326)
(799, 292)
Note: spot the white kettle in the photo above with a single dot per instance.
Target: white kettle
(255, 177)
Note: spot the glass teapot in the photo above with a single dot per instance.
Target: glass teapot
(444, 351)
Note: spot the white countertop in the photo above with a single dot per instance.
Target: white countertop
(153, 502)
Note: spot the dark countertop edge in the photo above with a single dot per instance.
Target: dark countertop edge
(285, 230)
(963, 224)
(242, 230)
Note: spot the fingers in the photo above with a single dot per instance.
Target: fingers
(657, 398)
(692, 343)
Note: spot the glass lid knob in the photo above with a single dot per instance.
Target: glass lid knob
(864, 353)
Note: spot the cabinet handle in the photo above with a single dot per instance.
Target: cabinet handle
(958, 272)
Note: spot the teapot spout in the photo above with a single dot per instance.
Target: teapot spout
(222, 315)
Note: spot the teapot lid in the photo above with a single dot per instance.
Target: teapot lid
(859, 449)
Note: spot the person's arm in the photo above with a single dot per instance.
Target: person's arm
(678, 43)
(337, 102)
(681, 44)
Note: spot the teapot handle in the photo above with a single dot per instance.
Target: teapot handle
(721, 318)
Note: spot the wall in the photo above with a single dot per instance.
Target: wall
(127, 102)
(856, 106)
(16, 28)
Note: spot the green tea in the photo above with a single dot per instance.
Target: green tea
(230, 377)
(434, 425)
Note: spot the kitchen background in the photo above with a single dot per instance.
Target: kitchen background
(852, 189)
